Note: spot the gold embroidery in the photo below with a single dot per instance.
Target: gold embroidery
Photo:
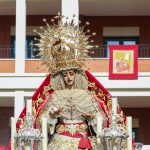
(98, 92)
(108, 102)
(72, 129)
(22, 125)
(61, 143)
(33, 109)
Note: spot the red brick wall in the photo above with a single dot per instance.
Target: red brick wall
(5, 114)
(5, 29)
(5, 38)
(144, 122)
(97, 24)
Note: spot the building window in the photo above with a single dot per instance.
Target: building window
(118, 41)
(30, 53)
(120, 36)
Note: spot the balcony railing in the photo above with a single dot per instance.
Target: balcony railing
(8, 52)
(144, 51)
(103, 51)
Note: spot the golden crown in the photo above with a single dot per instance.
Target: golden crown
(63, 45)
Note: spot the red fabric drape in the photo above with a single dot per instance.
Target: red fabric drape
(46, 82)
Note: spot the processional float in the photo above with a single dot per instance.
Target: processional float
(114, 137)
(25, 135)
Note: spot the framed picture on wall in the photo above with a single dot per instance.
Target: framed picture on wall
(123, 62)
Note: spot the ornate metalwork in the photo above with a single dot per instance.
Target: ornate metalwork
(115, 135)
(28, 136)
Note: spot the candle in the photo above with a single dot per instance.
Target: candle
(44, 133)
(114, 111)
(13, 132)
(29, 106)
(114, 105)
(129, 132)
(99, 131)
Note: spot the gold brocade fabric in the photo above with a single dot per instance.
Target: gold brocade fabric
(61, 142)
(72, 128)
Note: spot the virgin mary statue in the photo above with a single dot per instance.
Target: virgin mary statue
(70, 97)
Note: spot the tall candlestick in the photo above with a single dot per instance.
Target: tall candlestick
(114, 105)
(129, 132)
(99, 131)
(114, 111)
(44, 133)
(13, 132)
(29, 106)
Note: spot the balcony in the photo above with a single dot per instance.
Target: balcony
(103, 51)
(8, 52)
(98, 62)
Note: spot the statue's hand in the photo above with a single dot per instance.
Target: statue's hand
(89, 116)
(54, 113)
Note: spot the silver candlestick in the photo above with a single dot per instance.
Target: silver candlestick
(114, 135)
(28, 135)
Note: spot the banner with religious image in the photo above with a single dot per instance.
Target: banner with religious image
(123, 62)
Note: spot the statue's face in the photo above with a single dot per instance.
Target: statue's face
(68, 77)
